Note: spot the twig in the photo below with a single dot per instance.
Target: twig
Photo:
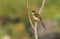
(29, 14)
(42, 6)
(35, 30)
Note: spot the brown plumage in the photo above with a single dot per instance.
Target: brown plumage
(38, 16)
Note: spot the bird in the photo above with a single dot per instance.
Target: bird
(37, 17)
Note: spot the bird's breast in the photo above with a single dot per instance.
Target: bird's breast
(35, 18)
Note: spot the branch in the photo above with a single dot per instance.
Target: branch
(29, 14)
(42, 6)
(35, 30)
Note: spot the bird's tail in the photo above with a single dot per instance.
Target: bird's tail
(43, 24)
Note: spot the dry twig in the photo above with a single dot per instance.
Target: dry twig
(42, 6)
(29, 14)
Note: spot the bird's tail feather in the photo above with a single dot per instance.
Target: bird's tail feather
(43, 24)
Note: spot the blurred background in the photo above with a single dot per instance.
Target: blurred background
(14, 22)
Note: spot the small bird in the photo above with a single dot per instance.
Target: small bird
(37, 17)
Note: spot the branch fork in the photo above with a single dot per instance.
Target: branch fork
(35, 25)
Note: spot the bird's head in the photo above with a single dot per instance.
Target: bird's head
(33, 12)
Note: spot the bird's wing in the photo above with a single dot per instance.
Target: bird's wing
(38, 16)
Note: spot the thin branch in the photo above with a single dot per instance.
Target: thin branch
(35, 30)
(29, 14)
(42, 6)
